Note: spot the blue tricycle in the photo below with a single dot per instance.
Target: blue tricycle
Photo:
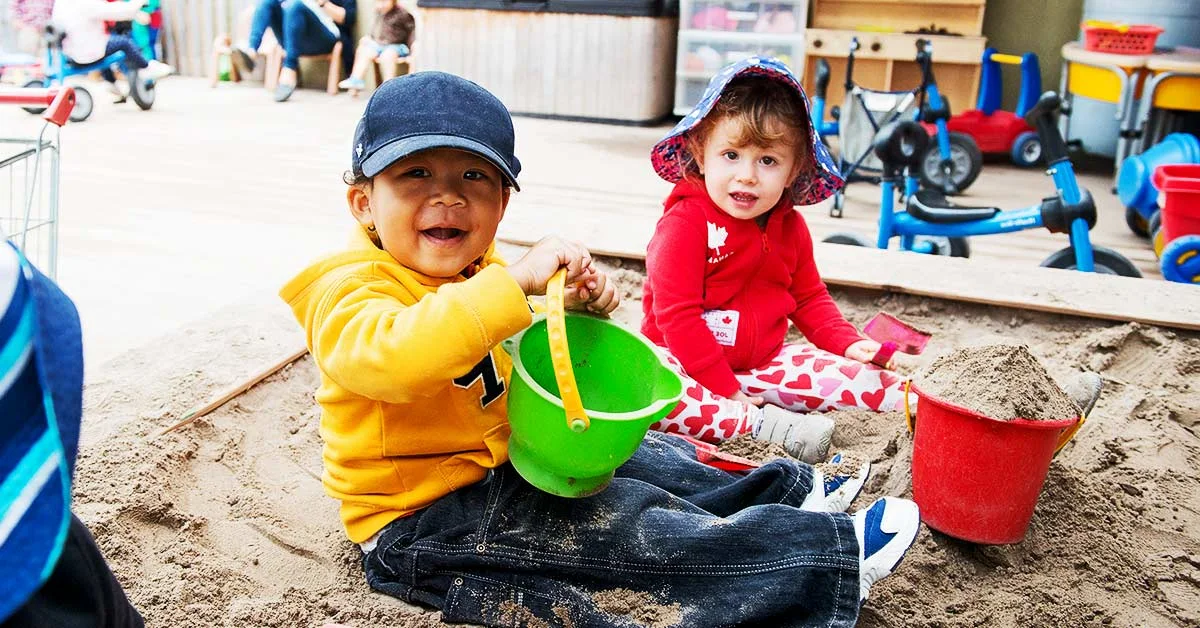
(929, 223)
(58, 68)
(951, 164)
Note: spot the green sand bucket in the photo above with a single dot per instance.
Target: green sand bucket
(624, 386)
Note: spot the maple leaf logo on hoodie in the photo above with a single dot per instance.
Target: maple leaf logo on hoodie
(716, 237)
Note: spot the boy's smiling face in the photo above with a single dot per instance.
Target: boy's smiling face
(435, 211)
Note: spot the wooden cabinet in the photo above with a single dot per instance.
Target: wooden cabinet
(885, 60)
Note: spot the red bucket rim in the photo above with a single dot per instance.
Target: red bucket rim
(1177, 178)
(1057, 424)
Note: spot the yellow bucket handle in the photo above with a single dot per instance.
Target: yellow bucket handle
(908, 417)
(1063, 439)
(560, 353)
(1069, 434)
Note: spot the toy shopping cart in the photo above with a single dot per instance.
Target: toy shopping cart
(29, 177)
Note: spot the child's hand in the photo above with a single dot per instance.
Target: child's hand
(746, 399)
(534, 270)
(863, 351)
(597, 295)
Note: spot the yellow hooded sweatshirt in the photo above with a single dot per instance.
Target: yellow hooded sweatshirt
(413, 382)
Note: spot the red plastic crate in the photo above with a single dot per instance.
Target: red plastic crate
(1180, 183)
(1138, 39)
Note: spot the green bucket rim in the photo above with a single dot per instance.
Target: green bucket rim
(633, 415)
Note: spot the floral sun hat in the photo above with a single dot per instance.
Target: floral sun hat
(670, 153)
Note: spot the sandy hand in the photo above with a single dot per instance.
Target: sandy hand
(533, 271)
(863, 351)
(597, 294)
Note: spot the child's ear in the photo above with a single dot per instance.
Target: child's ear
(505, 195)
(359, 202)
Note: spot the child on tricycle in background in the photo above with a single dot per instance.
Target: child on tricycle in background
(390, 39)
(731, 262)
(405, 326)
(87, 40)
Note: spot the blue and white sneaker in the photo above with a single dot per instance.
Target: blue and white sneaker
(885, 531)
(353, 83)
(836, 492)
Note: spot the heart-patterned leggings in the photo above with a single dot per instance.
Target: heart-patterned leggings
(801, 378)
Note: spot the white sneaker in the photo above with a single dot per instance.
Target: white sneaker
(118, 94)
(155, 70)
(836, 492)
(885, 530)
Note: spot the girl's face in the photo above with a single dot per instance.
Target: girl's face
(436, 211)
(745, 181)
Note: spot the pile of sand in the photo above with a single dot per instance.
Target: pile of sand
(225, 522)
(1003, 382)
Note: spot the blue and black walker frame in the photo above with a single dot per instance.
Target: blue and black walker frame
(929, 223)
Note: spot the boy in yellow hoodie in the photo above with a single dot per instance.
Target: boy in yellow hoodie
(405, 327)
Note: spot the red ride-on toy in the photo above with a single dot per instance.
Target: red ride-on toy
(996, 130)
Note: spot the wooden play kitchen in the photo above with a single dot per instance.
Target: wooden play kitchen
(888, 31)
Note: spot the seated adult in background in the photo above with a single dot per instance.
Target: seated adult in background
(390, 38)
(303, 27)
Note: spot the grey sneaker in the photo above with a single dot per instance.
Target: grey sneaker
(284, 91)
(804, 436)
(1084, 389)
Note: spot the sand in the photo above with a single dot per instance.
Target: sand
(1003, 382)
(224, 522)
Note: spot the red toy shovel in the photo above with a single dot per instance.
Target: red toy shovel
(895, 335)
(710, 455)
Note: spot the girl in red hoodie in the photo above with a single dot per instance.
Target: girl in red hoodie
(731, 262)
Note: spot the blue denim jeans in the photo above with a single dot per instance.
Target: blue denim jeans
(133, 55)
(297, 29)
(718, 548)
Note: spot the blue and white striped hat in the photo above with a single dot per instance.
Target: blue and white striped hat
(41, 401)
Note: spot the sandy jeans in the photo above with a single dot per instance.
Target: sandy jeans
(801, 378)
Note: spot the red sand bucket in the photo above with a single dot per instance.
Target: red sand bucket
(1180, 183)
(977, 478)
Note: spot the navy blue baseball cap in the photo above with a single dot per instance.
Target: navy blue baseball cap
(41, 403)
(425, 110)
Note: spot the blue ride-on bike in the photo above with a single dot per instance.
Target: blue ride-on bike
(58, 68)
(929, 223)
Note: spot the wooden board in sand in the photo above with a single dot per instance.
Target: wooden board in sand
(1008, 284)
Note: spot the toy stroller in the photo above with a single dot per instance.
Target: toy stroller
(952, 162)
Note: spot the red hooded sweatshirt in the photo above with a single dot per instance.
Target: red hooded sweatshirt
(749, 280)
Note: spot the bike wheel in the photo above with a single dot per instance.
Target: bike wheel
(950, 247)
(1107, 261)
(83, 104)
(1027, 150)
(966, 162)
(141, 91)
(1137, 222)
(37, 111)
(852, 239)
(1181, 260)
